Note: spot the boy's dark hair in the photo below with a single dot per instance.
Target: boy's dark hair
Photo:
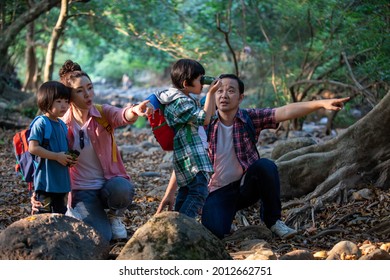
(241, 87)
(70, 71)
(50, 91)
(185, 70)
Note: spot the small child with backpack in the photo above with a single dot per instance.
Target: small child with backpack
(182, 112)
(51, 175)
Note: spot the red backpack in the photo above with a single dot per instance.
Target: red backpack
(26, 163)
(163, 133)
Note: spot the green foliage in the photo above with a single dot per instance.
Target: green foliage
(276, 43)
(115, 64)
(30, 112)
(344, 119)
(112, 66)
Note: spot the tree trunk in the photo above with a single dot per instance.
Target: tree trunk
(9, 34)
(30, 83)
(324, 172)
(55, 36)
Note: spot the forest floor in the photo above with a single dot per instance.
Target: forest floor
(351, 221)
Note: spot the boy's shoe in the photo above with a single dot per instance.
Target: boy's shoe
(118, 228)
(283, 231)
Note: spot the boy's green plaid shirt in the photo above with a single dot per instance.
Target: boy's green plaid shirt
(189, 155)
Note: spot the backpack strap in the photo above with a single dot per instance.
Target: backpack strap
(104, 122)
(158, 105)
(47, 130)
(250, 128)
(64, 127)
(45, 144)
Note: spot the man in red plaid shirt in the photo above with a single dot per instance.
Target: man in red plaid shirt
(241, 178)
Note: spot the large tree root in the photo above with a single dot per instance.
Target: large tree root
(325, 173)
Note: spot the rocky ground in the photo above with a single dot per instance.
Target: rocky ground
(362, 220)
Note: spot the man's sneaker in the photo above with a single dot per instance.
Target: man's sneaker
(283, 231)
(118, 228)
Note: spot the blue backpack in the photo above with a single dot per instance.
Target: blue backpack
(26, 163)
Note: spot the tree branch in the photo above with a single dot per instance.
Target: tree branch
(366, 93)
(226, 35)
(9, 34)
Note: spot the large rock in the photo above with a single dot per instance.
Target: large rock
(377, 254)
(300, 254)
(344, 250)
(51, 237)
(173, 236)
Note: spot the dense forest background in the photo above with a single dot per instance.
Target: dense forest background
(285, 51)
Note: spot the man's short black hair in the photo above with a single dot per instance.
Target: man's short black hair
(241, 87)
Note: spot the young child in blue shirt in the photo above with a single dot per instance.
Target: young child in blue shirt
(51, 177)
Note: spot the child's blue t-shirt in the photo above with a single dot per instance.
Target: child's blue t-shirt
(51, 176)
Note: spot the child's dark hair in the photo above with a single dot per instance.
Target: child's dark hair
(70, 71)
(50, 91)
(185, 70)
(241, 87)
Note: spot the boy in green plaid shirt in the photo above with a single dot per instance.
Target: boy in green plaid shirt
(192, 166)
